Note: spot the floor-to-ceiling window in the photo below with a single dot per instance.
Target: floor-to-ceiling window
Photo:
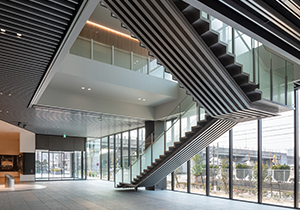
(219, 167)
(180, 178)
(59, 165)
(93, 159)
(111, 158)
(198, 173)
(104, 158)
(245, 165)
(278, 159)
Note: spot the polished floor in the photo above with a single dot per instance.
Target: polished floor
(100, 195)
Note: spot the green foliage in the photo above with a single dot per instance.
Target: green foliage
(198, 166)
(241, 166)
(224, 173)
(281, 167)
(265, 175)
(213, 166)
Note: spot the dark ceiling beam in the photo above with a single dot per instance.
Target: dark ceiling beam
(256, 23)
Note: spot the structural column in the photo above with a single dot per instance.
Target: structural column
(230, 164)
(296, 150)
(259, 162)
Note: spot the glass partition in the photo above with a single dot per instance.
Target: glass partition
(59, 165)
(104, 157)
(118, 57)
(111, 157)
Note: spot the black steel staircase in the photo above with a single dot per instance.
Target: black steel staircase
(183, 41)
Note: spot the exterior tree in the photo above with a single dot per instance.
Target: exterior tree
(224, 173)
(265, 175)
(198, 169)
(177, 171)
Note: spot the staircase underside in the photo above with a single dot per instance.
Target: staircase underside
(167, 34)
(199, 138)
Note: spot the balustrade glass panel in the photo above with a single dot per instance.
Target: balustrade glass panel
(102, 52)
(279, 71)
(243, 52)
(140, 63)
(122, 58)
(81, 47)
(264, 66)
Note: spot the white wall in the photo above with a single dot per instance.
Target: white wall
(27, 142)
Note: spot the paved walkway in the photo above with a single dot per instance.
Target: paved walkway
(100, 195)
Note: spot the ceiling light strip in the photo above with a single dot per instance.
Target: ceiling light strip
(112, 30)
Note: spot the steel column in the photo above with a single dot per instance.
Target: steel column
(188, 176)
(230, 164)
(207, 170)
(259, 166)
(296, 150)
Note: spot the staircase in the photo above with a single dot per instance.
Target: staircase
(182, 40)
(188, 134)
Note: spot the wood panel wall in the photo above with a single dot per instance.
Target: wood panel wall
(9, 143)
(108, 37)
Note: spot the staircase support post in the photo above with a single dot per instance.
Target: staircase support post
(140, 163)
(259, 162)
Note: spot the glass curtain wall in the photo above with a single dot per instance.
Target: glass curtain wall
(180, 178)
(219, 167)
(59, 165)
(133, 145)
(104, 158)
(111, 158)
(277, 163)
(93, 159)
(278, 159)
(198, 173)
(245, 159)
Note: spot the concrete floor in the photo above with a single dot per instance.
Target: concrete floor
(97, 194)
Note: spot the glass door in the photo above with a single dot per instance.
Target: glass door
(41, 164)
(67, 165)
(77, 165)
(55, 165)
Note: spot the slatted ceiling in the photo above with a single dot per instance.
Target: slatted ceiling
(24, 60)
(75, 123)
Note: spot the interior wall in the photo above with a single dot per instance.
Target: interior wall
(9, 143)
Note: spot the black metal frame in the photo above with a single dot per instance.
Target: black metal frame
(259, 158)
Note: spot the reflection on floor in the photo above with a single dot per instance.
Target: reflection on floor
(100, 195)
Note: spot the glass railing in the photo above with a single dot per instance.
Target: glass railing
(97, 51)
(177, 123)
(273, 74)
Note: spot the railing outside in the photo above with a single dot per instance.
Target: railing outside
(180, 121)
(88, 48)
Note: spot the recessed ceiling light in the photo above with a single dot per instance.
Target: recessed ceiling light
(97, 32)
(144, 99)
(0, 110)
(3, 30)
(137, 61)
(89, 89)
(7, 111)
(9, 94)
(18, 34)
(1, 93)
(82, 88)
(139, 99)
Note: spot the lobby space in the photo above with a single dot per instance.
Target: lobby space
(100, 195)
